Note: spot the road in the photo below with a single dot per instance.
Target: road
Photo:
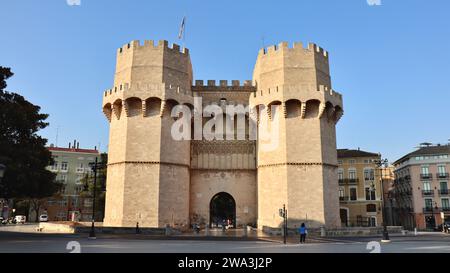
(50, 243)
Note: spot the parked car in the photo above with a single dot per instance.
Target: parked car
(43, 218)
(20, 219)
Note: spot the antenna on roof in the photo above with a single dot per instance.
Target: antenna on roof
(57, 135)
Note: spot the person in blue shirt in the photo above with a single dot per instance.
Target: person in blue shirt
(303, 232)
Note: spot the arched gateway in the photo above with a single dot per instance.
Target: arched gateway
(222, 209)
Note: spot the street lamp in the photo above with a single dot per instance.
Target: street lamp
(283, 214)
(92, 232)
(95, 166)
(380, 164)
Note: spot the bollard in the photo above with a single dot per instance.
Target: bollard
(207, 230)
(245, 231)
(415, 231)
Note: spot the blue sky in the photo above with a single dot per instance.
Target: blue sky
(391, 62)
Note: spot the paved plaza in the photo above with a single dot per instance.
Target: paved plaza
(11, 242)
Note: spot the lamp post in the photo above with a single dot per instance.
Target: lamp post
(380, 164)
(92, 232)
(283, 214)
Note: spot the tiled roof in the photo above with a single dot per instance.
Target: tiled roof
(431, 150)
(86, 151)
(346, 153)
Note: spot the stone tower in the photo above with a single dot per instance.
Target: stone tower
(301, 171)
(156, 180)
(148, 171)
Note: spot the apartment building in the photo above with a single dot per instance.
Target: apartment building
(360, 188)
(421, 187)
(71, 166)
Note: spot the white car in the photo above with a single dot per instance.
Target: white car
(43, 218)
(20, 219)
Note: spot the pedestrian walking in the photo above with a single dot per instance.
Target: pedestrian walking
(303, 232)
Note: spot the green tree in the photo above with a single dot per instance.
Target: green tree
(22, 150)
(100, 189)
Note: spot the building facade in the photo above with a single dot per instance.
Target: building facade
(156, 180)
(71, 166)
(360, 188)
(421, 187)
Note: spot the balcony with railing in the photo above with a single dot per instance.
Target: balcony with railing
(431, 210)
(442, 175)
(428, 193)
(344, 198)
(443, 192)
(349, 181)
(426, 176)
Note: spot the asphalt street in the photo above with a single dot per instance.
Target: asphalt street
(57, 243)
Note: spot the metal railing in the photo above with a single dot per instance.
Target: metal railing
(428, 193)
(349, 181)
(426, 176)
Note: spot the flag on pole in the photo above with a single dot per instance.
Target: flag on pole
(182, 27)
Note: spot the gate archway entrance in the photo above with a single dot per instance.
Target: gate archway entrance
(222, 210)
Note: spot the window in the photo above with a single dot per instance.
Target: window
(426, 186)
(54, 167)
(88, 203)
(340, 162)
(64, 166)
(352, 174)
(80, 168)
(444, 186)
(341, 174)
(441, 170)
(428, 203)
(341, 192)
(79, 189)
(352, 161)
(369, 174)
(74, 202)
(370, 194)
(353, 194)
(425, 170)
(62, 203)
(371, 208)
(445, 204)
(63, 178)
(372, 221)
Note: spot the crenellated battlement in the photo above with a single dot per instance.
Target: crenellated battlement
(150, 44)
(123, 88)
(224, 85)
(296, 47)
